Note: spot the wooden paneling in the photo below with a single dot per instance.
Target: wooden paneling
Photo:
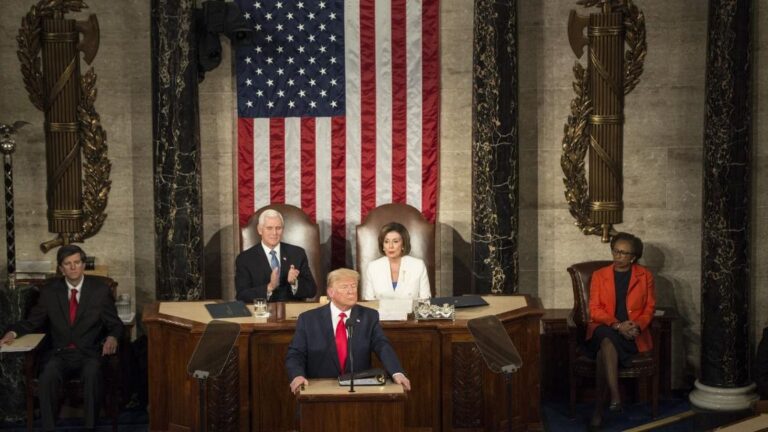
(452, 387)
(273, 407)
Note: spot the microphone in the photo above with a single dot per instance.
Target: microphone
(350, 324)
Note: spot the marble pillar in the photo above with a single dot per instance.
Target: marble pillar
(176, 147)
(495, 171)
(14, 303)
(724, 382)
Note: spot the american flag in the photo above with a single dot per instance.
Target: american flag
(338, 109)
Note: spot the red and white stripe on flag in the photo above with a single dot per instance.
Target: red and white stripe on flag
(384, 149)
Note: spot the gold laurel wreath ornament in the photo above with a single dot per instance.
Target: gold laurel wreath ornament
(75, 94)
(582, 131)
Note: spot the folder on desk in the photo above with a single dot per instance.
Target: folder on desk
(460, 301)
(28, 342)
(233, 309)
(368, 377)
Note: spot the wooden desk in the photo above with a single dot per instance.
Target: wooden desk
(453, 390)
(325, 406)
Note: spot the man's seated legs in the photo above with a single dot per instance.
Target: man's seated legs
(65, 365)
(50, 383)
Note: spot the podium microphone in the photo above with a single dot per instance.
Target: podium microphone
(350, 330)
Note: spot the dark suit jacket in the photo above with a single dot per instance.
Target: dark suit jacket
(761, 366)
(95, 320)
(253, 270)
(312, 352)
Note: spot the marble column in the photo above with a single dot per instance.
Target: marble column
(724, 383)
(176, 147)
(495, 172)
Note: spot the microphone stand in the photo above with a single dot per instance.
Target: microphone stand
(350, 330)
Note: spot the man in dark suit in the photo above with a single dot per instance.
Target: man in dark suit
(272, 269)
(319, 346)
(79, 311)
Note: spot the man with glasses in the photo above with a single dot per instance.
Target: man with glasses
(319, 348)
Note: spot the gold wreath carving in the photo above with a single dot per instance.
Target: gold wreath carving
(96, 165)
(576, 131)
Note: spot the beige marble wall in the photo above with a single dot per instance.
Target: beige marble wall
(455, 200)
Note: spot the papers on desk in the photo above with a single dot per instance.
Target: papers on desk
(23, 344)
(395, 309)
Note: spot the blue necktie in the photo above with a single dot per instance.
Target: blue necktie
(273, 261)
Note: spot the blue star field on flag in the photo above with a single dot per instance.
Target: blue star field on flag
(295, 67)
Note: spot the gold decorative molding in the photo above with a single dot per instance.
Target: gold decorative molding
(616, 52)
(76, 145)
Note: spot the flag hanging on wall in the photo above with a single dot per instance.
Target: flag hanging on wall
(338, 111)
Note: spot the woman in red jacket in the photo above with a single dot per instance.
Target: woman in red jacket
(621, 306)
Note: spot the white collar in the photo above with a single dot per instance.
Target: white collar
(78, 287)
(336, 311)
(267, 250)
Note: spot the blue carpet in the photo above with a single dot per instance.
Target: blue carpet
(130, 420)
(556, 416)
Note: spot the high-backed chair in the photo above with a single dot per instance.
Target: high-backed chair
(422, 235)
(72, 388)
(644, 365)
(299, 231)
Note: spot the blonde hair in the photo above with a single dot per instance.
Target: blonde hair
(340, 274)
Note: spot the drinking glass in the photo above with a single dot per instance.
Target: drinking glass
(123, 305)
(260, 306)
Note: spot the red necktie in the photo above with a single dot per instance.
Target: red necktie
(72, 306)
(341, 341)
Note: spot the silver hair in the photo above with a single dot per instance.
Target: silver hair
(269, 214)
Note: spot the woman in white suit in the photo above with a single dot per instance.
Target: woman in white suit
(396, 274)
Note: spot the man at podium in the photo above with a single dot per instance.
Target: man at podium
(319, 348)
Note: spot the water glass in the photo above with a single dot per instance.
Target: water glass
(260, 306)
(123, 305)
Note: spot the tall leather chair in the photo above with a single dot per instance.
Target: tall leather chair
(422, 234)
(644, 365)
(72, 388)
(299, 230)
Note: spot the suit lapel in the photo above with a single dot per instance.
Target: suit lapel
(284, 266)
(61, 294)
(86, 294)
(263, 258)
(634, 278)
(326, 326)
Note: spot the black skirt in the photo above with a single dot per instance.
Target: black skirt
(625, 348)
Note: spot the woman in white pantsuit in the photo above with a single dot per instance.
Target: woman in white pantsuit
(396, 274)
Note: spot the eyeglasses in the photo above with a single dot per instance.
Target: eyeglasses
(622, 253)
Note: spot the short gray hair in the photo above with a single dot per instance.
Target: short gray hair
(270, 214)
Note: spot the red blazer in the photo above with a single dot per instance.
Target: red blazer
(641, 302)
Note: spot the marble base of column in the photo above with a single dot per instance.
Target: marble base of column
(723, 399)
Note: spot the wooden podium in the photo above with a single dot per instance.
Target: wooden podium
(452, 389)
(324, 406)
